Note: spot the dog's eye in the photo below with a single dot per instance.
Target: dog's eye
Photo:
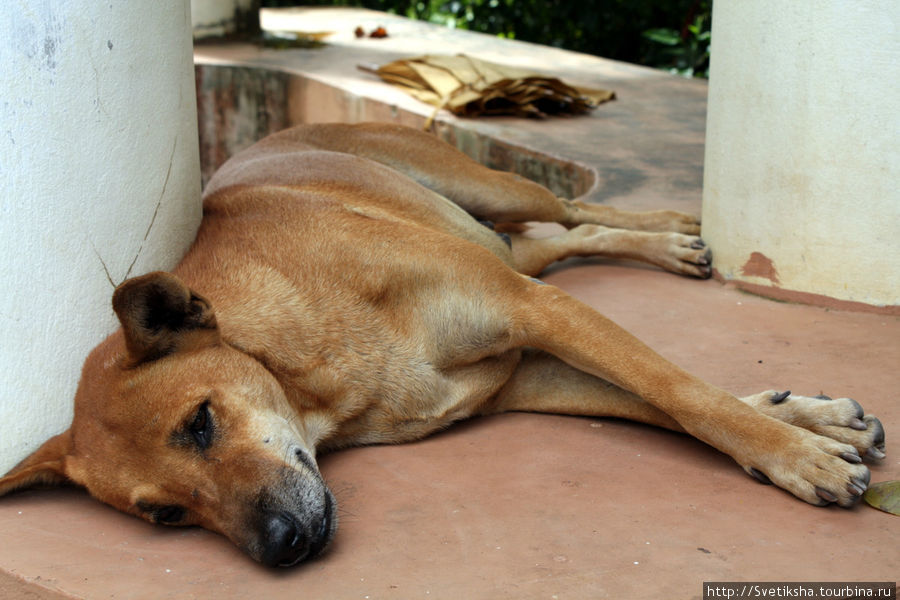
(168, 515)
(201, 428)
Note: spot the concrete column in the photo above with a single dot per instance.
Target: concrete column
(100, 180)
(802, 174)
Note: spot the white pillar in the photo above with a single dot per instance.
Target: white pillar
(99, 175)
(802, 175)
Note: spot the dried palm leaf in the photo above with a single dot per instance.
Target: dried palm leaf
(470, 87)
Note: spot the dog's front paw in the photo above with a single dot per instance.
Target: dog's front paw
(841, 419)
(816, 469)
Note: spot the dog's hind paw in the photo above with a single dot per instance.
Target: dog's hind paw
(698, 258)
(686, 255)
(841, 419)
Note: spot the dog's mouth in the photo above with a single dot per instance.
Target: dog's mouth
(326, 527)
(318, 541)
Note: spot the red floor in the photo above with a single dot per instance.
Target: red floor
(532, 506)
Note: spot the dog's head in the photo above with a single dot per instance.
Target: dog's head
(177, 427)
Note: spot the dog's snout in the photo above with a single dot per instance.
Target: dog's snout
(303, 458)
(285, 544)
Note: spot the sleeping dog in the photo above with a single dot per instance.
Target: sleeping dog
(341, 292)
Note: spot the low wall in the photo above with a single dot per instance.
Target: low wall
(238, 105)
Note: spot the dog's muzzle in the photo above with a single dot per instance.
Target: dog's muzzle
(287, 542)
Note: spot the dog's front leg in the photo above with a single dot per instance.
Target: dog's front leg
(816, 469)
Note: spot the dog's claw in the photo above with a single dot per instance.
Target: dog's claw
(878, 440)
(779, 398)
(760, 476)
(875, 454)
(851, 457)
(825, 495)
(858, 424)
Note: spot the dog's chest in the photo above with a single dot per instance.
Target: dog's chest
(403, 402)
(387, 344)
(384, 380)
(377, 379)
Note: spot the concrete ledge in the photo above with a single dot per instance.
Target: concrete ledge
(643, 150)
(239, 105)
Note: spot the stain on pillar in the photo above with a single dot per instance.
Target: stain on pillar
(760, 265)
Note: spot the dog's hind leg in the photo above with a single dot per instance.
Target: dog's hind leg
(483, 192)
(544, 383)
(815, 468)
(676, 252)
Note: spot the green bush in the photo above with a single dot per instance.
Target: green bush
(666, 34)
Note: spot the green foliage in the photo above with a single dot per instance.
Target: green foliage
(671, 34)
(685, 53)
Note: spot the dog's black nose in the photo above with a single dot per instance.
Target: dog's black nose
(284, 545)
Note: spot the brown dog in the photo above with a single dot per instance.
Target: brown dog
(339, 293)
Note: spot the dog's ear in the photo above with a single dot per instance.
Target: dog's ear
(45, 467)
(161, 315)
